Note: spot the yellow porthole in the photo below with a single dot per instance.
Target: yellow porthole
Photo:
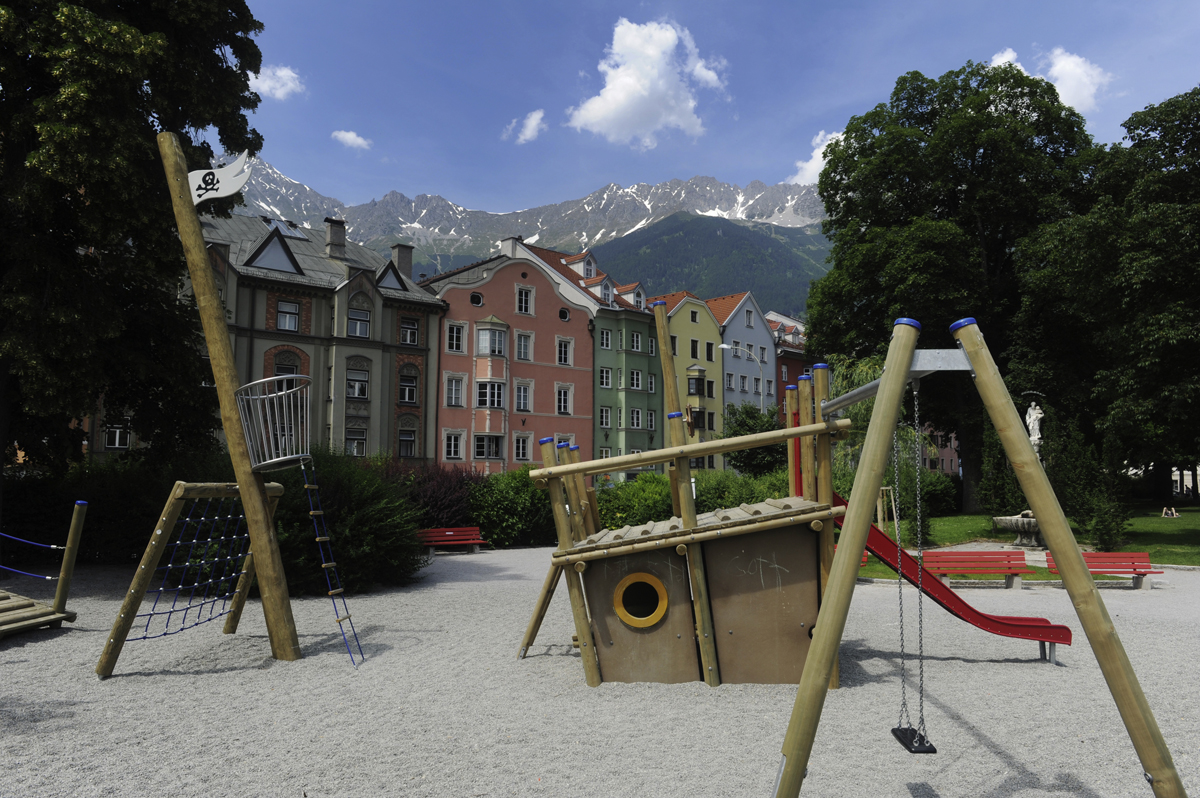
(640, 600)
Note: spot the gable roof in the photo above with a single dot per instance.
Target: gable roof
(724, 306)
(673, 300)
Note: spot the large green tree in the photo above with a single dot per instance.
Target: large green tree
(91, 268)
(927, 197)
(1110, 310)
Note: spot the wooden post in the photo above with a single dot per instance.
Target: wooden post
(578, 531)
(272, 584)
(539, 610)
(831, 620)
(790, 406)
(68, 563)
(682, 485)
(824, 489)
(562, 524)
(1093, 616)
(581, 494)
(808, 460)
(141, 581)
(247, 578)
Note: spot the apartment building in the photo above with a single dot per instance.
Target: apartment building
(749, 370)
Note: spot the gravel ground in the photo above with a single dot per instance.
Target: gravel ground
(442, 707)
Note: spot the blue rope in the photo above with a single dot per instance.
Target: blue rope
(32, 543)
(25, 573)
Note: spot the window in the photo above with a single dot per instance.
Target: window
(117, 436)
(606, 293)
(564, 314)
(737, 348)
(649, 419)
(454, 387)
(358, 323)
(408, 390)
(564, 353)
(357, 383)
(491, 342)
(620, 417)
(521, 448)
(477, 299)
(287, 316)
(620, 379)
(744, 381)
(283, 369)
(523, 303)
(606, 339)
(695, 317)
(757, 385)
(563, 401)
(408, 443)
(523, 346)
(523, 397)
(637, 300)
(587, 270)
(708, 389)
(770, 387)
(410, 334)
(782, 373)
(652, 345)
(487, 447)
(762, 354)
(605, 452)
(749, 317)
(635, 418)
(712, 425)
(489, 394)
(620, 339)
(356, 442)
(635, 451)
(454, 338)
(650, 383)
(605, 378)
(695, 463)
(454, 447)
(695, 349)
(711, 463)
(694, 385)
(635, 379)
(674, 346)
(728, 381)
(635, 342)
(606, 417)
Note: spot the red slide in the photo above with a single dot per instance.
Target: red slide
(1038, 629)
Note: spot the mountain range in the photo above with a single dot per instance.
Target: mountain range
(767, 231)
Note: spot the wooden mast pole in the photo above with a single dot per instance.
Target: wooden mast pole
(790, 406)
(682, 479)
(831, 620)
(808, 460)
(68, 563)
(1122, 682)
(824, 488)
(272, 584)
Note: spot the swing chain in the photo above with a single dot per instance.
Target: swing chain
(904, 720)
(920, 566)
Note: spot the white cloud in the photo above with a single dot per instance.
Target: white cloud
(351, 139)
(532, 126)
(508, 130)
(1077, 79)
(277, 82)
(650, 73)
(808, 171)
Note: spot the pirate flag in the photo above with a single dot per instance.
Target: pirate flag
(221, 182)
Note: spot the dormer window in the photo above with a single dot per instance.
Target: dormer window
(637, 300)
(588, 271)
(606, 293)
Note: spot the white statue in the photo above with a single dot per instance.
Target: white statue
(1033, 421)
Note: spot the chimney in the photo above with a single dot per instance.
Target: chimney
(402, 257)
(335, 238)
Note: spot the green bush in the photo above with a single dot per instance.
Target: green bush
(372, 524)
(646, 499)
(718, 490)
(510, 511)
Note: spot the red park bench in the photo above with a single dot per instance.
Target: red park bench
(1116, 563)
(451, 536)
(968, 563)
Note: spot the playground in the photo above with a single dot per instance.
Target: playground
(442, 707)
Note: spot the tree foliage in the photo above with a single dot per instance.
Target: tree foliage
(747, 419)
(90, 277)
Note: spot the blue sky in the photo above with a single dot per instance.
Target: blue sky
(362, 98)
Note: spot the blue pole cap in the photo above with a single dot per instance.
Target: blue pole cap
(806, 377)
(909, 322)
(564, 444)
(790, 387)
(658, 302)
(676, 414)
(574, 448)
(962, 323)
(546, 440)
(821, 366)
(83, 503)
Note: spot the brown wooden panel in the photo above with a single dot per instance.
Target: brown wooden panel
(665, 652)
(762, 587)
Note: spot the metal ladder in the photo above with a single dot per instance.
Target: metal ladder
(329, 566)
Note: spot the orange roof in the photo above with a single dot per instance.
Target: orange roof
(625, 289)
(672, 300)
(724, 306)
(599, 278)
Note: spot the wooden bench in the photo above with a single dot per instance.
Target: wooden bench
(1009, 563)
(451, 536)
(1116, 563)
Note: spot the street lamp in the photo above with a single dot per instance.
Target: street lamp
(750, 354)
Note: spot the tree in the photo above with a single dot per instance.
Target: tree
(927, 197)
(747, 419)
(92, 267)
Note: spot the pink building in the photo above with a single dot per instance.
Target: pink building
(515, 359)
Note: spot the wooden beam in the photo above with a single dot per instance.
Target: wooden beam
(824, 485)
(539, 610)
(68, 563)
(808, 460)
(790, 406)
(272, 583)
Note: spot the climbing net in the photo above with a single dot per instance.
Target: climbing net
(198, 573)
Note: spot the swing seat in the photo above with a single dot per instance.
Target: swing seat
(912, 740)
